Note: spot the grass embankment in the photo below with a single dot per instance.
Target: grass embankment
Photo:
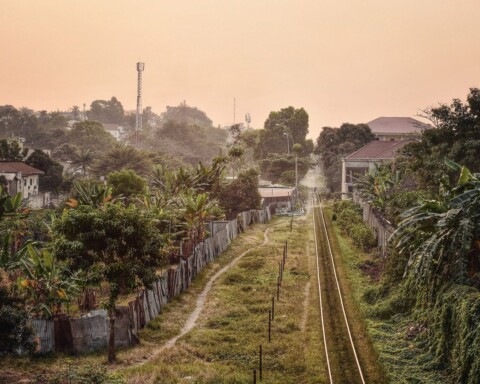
(402, 355)
(223, 347)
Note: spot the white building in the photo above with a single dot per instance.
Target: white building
(366, 159)
(114, 129)
(20, 178)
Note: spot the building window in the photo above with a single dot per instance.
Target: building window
(31, 181)
(24, 182)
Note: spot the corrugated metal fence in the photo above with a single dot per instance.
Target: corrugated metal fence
(90, 332)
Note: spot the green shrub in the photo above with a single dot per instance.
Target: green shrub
(347, 218)
(362, 236)
(15, 334)
(341, 205)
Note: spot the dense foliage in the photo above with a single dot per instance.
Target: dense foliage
(274, 146)
(455, 135)
(241, 194)
(349, 218)
(432, 192)
(335, 143)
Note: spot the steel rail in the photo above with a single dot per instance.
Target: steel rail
(339, 293)
(320, 297)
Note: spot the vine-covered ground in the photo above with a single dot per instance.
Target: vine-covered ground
(397, 335)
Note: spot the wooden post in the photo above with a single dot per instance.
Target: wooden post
(280, 270)
(254, 376)
(278, 288)
(261, 363)
(286, 248)
(273, 307)
(269, 325)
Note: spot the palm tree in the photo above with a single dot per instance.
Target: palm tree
(122, 157)
(197, 210)
(83, 160)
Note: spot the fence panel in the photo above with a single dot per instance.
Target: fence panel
(45, 335)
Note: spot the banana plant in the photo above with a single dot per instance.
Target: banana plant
(442, 236)
(11, 256)
(9, 204)
(93, 195)
(45, 284)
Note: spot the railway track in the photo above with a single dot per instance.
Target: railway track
(343, 363)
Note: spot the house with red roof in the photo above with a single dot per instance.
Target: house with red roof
(366, 159)
(20, 177)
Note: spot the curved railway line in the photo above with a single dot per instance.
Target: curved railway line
(343, 364)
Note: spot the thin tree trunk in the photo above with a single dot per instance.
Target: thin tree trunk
(111, 341)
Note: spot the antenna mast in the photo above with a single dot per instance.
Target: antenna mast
(138, 120)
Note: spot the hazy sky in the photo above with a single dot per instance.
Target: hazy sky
(342, 60)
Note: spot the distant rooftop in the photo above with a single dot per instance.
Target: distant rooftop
(378, 150)
(397, 125)
(16, 167)
(111, 127)
(275, 191)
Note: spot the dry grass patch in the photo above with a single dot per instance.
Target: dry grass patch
(223, 347)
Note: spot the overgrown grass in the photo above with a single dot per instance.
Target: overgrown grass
(223, 347)
(404, 356)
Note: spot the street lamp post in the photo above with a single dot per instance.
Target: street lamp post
(289, 136)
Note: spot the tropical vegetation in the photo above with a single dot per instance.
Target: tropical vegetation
(431, 194)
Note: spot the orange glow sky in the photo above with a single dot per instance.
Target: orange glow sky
(342, 60)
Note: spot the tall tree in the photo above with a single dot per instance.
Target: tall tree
(122, 157)
(123, 242)
(10, 151)
(107, 111)
(455, 135)
(241, 194)
(82, 159)
(335, 143)
(183, 113)
(282, 129)
(9, 120)
(90, 135)
(52, 179)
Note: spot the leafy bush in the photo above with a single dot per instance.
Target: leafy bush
(348, 218)
(341, 205)
(362, 236)
(15, 334)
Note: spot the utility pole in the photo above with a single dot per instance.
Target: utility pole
(138, 120)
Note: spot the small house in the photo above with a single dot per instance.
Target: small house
(20, 177)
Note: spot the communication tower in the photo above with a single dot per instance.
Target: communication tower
(138, 121)
(248, 119)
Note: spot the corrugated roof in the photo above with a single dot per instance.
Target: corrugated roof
(397, 125)
(16, 166)
(275, 192)
(378, 150)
